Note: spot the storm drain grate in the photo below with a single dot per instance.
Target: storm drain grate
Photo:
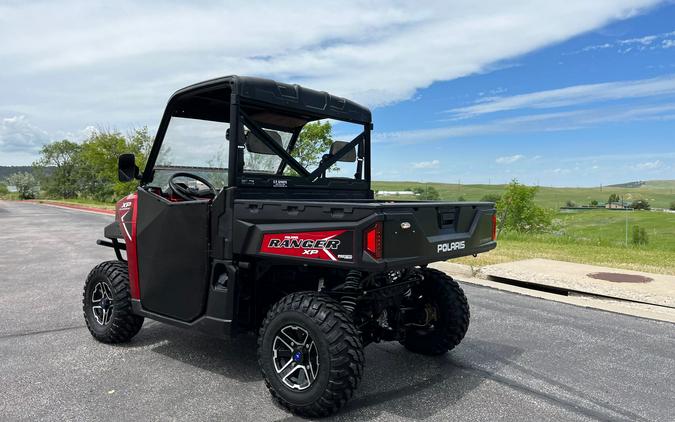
(620, 277)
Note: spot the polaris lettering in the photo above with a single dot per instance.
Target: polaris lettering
(447, 247)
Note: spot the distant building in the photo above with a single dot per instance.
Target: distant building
(395, 192)
(615, 206)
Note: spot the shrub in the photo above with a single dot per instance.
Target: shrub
(570, 203)
(461, 198)
(3, 189)
(640, 204)
(672, 205)
(593, 203)
(25, 184)
(639, 236)
(426, 192)
(491, 197)
(517, 211)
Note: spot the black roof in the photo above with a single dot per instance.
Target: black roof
(287, 96)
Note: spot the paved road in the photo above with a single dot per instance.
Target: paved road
(523, 358)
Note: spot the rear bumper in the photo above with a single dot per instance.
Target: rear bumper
(412, 235)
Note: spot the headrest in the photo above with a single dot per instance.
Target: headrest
(349, 157)
(255, 145)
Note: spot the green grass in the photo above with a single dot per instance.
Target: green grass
(608, 228)
(631, 258)
(659, 193)
(594, 237)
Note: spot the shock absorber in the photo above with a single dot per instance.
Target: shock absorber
(352, 289)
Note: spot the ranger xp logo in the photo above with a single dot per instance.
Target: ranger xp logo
(295, 242)
(335, 245)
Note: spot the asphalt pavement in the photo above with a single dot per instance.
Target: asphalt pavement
(523, 358)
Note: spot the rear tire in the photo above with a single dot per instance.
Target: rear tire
(311, 332)
(446, 298)
(106, 303)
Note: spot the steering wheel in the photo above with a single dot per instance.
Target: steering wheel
(190, 194)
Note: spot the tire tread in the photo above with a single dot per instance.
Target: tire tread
(124, 324)
(456, 312)
(345, 348)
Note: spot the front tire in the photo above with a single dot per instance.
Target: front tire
(310, 354)
(447, 313)
(107, 303)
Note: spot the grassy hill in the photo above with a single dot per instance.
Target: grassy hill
(659, 193)
(9, 170)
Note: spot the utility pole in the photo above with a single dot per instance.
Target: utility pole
(625, 211)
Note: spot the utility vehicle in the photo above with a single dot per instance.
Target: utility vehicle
(235, 228)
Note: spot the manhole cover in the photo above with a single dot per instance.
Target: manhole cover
(620, 277)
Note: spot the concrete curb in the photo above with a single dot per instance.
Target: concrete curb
(75, 207)
(654, 312)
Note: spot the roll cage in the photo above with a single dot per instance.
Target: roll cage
(250, 103)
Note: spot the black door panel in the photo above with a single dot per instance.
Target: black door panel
(172, 241)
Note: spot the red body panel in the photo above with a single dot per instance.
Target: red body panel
(125, 214)
(333, 245)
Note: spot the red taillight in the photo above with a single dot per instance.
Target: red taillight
(373, 241)
(494, 226)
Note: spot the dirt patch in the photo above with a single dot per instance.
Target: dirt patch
(620, 277)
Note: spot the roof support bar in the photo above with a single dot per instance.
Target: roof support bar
(332, 159)
(275, 147)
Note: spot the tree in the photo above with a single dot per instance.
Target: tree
(613, 198)
(97, 162)
(313, 142)
(640, 204)
(426, 192)
(62, 156)
(672, 206)
(432, 194)
(491, 197)
(639, 236)
(593, 203)
(25, 184)
(517, 211)
(570, 203)
(3, 189)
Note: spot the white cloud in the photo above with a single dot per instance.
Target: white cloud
(649, 165)
(509, 159)
(542, 122)
(76, 63)
(426, 164)
(18, 134)
(572, 95)
(647, 42)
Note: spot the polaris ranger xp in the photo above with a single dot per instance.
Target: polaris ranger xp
(235, 228)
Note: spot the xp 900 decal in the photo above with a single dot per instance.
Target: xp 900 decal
(335, 245)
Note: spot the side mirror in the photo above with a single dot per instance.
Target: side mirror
(127, 170)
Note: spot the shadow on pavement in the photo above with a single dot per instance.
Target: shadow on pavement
(230, 358)
(395, 381)
(418, 387)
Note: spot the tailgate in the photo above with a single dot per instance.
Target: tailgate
(427, 232)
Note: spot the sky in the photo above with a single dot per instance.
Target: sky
(573, 93)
